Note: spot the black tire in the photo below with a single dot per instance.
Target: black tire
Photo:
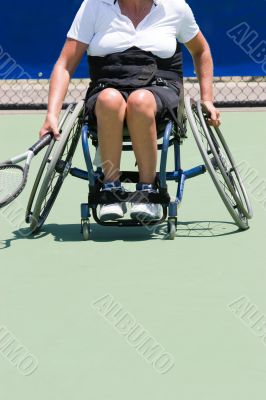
(55, 168)
(220, 164)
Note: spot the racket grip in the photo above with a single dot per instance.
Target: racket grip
(44, 141)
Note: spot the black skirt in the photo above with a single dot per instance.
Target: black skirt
(166, 93)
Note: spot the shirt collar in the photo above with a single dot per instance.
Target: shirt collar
(108, 1)
(156, 2)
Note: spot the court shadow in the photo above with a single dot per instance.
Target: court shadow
(71, 232)
(200, 229)
(20, 234)
(193, 229)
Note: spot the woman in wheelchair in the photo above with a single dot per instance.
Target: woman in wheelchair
(136, 77)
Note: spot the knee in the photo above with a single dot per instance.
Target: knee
(109, 100)
(143, 102)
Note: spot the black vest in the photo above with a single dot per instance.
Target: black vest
(134, 68)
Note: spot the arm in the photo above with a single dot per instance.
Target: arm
(64, 68)
(201, 54)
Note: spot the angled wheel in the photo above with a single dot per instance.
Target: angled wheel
(54, 168)
(45, 164)
(220, 164)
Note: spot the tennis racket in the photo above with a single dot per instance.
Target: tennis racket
(13, 177)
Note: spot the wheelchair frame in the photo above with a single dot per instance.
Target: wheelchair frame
(97, 197)
(59, 165)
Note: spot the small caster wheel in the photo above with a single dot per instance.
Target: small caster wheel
(86, 230)
(171, 228)
(28, 218)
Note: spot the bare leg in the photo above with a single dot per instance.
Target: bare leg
(141, 110)
(110, 111)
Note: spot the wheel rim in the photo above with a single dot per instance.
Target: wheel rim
(58, 176)
(203, 141)
(44, 165)
(226, 167)
(58, 168)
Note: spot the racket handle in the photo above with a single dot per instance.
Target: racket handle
(44, 141)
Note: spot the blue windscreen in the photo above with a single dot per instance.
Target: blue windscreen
(33, 33)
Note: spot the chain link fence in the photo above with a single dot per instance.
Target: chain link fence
(228, 92)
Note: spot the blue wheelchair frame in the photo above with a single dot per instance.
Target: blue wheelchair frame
(170, 137)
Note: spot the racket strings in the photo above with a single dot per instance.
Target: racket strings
(11, 179)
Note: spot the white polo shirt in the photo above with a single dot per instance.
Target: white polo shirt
(100, 24)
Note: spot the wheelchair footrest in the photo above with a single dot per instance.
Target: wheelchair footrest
(106, 197)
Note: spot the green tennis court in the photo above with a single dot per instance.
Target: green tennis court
(200, 300)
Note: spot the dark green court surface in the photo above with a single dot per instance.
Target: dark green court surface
(67, 306)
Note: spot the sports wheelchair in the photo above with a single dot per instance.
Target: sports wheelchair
(218, 161)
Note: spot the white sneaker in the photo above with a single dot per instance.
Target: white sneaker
(112, 212)
(146, 212)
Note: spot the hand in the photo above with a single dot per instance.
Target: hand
(215, 116)
(50, 125)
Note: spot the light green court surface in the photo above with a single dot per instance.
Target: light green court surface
(178, 291)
